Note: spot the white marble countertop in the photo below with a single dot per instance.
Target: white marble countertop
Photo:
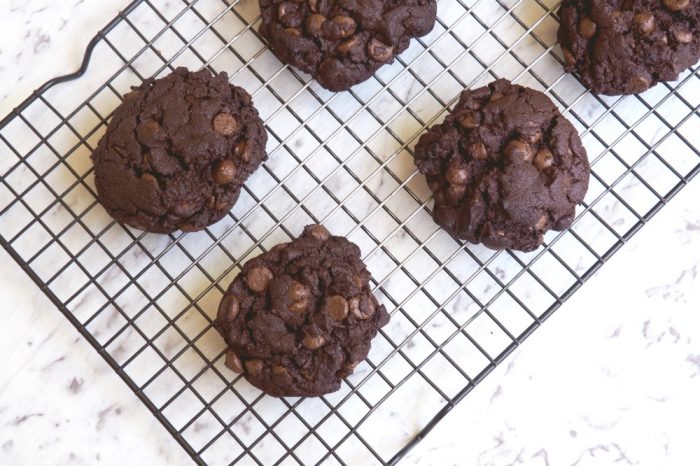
(611, 378)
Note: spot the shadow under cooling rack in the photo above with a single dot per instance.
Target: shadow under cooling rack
(146, 302)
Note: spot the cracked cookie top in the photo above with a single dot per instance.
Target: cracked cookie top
(177, 152)
(627, 46)
(505, 167)
(343, 42)
(300, 317)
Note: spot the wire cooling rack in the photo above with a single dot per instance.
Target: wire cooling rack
(146, 302)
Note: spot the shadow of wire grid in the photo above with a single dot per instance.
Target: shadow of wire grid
(146, 302)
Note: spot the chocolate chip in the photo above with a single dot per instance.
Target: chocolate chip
(151, 180)
(639, 84)
(233, 362)
(478, 151)
(544, 159)
(569, 58)
(348, 45)
(254, 366)
(189, 228)
(343, 27)
(336, 307)
(587, 27)
(683, 37)
(456, 192)
(318, 232)
(362, 309)
(229, 308)
(457, 175)
(518, 149)
(299, 296)
(676, 5)
(280, 371)
(297, 291)
(184, 209)
(542, 222)
(147, 132)
(259, 278)
(211, 202)
(224, 172)
(357, 281)
(348, 368)
(313, 342)
(225, 124)
(239, 150)
(284, 9)
(534, 138)
(379, 51)
(495, 97)
(645, 21)
(468, 120)
(314, 24)
(299, 307)
(475, 105)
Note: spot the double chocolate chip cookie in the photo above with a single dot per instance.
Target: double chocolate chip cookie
(343, 42)
(177, 152)
(504, 167)
(627, 46)
(300, 317)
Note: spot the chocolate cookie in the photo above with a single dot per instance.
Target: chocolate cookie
(300, 317)
(627, 46)
(504, 167)
(343, 42)
(177, 151)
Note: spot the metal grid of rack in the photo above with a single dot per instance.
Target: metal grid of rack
(146, 302)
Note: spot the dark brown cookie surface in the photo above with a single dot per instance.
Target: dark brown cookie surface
(343, 42)
(627, 46)
(177, 152)
(504, 167)
(300, 317)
